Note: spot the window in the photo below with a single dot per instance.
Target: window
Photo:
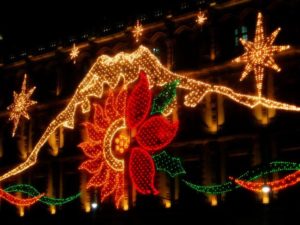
(184, 5)
(241, 32)
(106, 29)
(158, 13)
(120, 25)
(155, 51)
(142, 17)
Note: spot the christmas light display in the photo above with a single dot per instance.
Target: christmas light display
(106, 169)
(136, 110)
(201, 18)
(142, 171)
(126, 67)
(164, 99)
(137, 31)
(31, 191)
(74, 53)
(153, 134)
(273, 167)
(276, 185)
(108, 137)
(168, 164)
(259, 54)
(19, 201)
(20, 105)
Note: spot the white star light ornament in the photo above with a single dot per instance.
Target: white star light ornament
(201, 18)
(259, 54)
(74, 53)
(20, 106)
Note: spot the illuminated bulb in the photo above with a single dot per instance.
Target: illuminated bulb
(125, 206)
(21, 211)
(87, 208)
(266, 189)
(94, 205)
(168, 204)
(52, 210)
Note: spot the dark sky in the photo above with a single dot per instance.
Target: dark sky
(31, 23)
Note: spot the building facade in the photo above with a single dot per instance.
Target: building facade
(218, 139)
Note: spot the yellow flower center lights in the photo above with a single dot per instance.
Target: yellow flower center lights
(122, 143)
(115, 164)
(126, 67)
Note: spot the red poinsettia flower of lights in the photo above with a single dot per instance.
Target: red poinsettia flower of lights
(109, 142)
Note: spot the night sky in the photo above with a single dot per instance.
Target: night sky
(27, 24)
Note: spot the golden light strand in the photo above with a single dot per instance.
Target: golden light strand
(126, 67)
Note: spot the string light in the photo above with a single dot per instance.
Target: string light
(259, 54)
(20, 105)
(19, 201)
(74, 53)
(273, 167)
(276, 185)
(110, 70)
(33, 192)
(168, 164)
(137, 31)
(161, 101)
(201, 18)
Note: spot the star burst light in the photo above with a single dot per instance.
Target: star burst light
(74, 53)
(259, 54)
(201, 18)
(138, 31)
(20, 105)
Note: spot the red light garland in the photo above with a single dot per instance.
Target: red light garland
(276, 185)
(19, 201)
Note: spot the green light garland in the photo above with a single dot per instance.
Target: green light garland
(169, 164)
(164, 98)
(273, 167)
(172, 165)
(31, 191)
